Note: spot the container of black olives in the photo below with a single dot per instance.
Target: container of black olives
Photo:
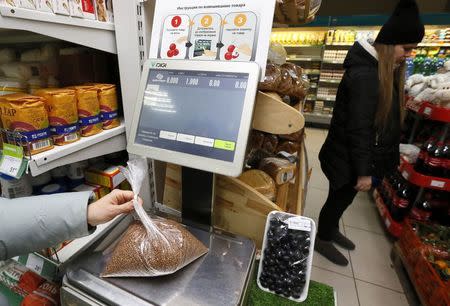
(287, 254)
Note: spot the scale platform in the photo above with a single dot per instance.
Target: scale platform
(220, 277)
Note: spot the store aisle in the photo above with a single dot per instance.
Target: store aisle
(369, 279)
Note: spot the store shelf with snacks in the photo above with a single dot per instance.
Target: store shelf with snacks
(302, 46)
(333, 62)
(340, 44)
(392, 226)
(304, 59)
(418, 179)
(108, 141)
(326, 99)
(329, 81)
(436, 44)
(91, 33)
(429, 110)
(317, 118)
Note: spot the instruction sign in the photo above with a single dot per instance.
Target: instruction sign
(226, 30)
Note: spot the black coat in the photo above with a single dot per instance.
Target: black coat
(354, 146)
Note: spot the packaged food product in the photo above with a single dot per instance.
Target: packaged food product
(27, 115)
(272, 79)
(105, 175)
(107, 97)
(88, 9)
(62, 7)
(270, 143)
(88, 110)
(255, 157)
(261, 182)
(97, 191)
(281, 170)
(28, 4)
(256, 139)
(76, 9)
(288, 146)
(16, 70)
(7, 55)
(12, 188)
(19, 279)
(10, 3)
(46, 6)
(46, 295)
(151, 246)
(76, 173)
(287, 255)
(10, 86)
(63, 114)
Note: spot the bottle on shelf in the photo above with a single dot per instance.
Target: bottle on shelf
(402, 200)
(434, 161)
(422, 210)
(446, 156)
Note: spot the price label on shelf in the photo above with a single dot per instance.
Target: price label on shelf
(438, 184)
(299, 224)
(387, 222)
(11, 161)
(35, 263)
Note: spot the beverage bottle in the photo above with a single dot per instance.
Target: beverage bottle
(422, 210)
(446, 158)
(396, 183)
(426, 147)
(402, 201)
(434, 162)
(440, 206)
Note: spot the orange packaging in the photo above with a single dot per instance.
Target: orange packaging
(27, 115)
(88, 110)
(104, 175)
(107, 96)
(62, 114)
(46, 295)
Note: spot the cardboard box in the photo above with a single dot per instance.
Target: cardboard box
(28, 4)
(88, 7)
(98, 191)
(47, 6)
(107, 176)
(62, 7)
(76, 10)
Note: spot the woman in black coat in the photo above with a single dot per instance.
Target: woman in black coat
(364, 136)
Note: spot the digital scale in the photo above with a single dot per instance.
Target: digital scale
(197, 115)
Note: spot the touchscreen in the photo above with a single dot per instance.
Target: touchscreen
(193, 112)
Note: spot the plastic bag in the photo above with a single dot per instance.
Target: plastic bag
(410, 152)
(151, 246)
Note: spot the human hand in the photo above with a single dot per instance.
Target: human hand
(364, 183)
(115, 203)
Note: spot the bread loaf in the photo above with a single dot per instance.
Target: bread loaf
(261, 182)
(272, 78)
(270, 143)
(256, 140)
(281, 170)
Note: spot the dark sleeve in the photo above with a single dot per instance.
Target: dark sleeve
(360, 127)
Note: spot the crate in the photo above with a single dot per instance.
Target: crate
(432, 288)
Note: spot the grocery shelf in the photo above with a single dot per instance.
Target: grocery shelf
(392, 226)
(326, 99)
(431, 182)
(333, 62)
(317, 118)
(341, 44)
(438, 44)
(90, 33)
(108, 141)
(330, 81)
(304, 59)
(429, 110)
(302, 46)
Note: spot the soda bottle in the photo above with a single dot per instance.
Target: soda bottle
(446, 157)
(426, 147)
(422, 210)
(434, 161)
(401, 202)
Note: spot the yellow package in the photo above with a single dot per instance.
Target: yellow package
(27, 115)
(62, 114)
(107, 97)
(88, 110)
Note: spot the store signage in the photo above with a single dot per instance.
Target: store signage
(225, 30)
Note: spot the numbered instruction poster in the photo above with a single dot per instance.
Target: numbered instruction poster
(225, 30)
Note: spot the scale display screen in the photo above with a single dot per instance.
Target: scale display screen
(195, 116)
(193, 112)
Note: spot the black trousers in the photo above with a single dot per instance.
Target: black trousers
(337, 202)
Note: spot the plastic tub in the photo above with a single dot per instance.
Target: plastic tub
(295, 229)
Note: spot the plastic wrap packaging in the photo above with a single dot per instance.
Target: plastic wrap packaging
(10, 86)
(107, 97)
(287, 255)
(255, 157)
(288, 146)
(63, 114)
(277, 53)
(270, 143)
(27, 114)
(7, 55)
(292, 81)
(88, 110)
(256, 140)
(151, 246)
(281, 170)
(261, 182)
(17, 70)
(410, 152)
(272, 79)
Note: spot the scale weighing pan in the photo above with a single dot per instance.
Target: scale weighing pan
(220, 277)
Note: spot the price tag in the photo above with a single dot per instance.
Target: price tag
(438, 184)
(11, 161)
(299, 224)
(388, 223)
(35, 263)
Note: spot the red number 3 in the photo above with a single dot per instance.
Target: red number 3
(176, 21)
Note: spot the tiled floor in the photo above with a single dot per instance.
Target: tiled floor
(369, 279)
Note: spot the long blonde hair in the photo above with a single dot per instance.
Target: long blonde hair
(388, 75)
